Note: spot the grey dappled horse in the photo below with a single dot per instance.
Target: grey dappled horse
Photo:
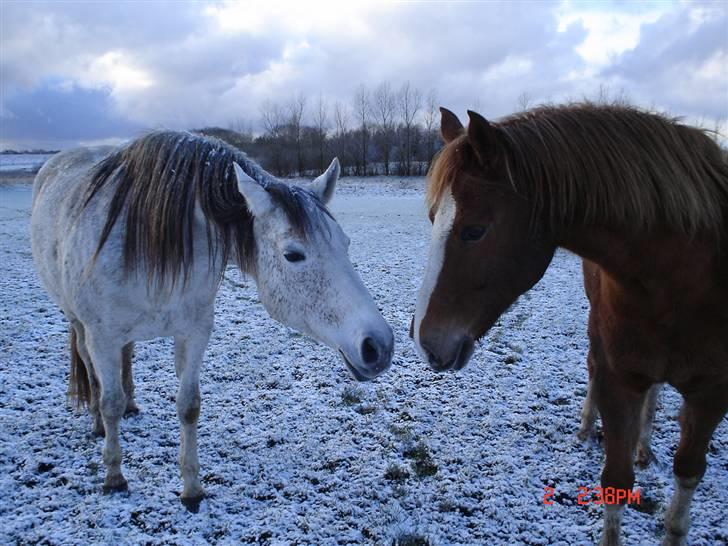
(132, 243)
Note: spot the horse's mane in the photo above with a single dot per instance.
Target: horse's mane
(607, 165)
(159, 179)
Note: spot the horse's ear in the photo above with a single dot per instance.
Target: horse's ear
(258, 200)
(450, 126)
(324, 185)
(483, 137)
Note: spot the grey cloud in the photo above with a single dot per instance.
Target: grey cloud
(664, 67)
(470, 53)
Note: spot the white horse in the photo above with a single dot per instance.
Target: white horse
(132, 244)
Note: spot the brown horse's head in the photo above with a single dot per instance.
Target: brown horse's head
(487, 246)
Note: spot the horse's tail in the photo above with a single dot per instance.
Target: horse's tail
(79, 387)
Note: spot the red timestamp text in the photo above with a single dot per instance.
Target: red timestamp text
(597, 495)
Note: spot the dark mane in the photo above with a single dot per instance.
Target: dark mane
(160, 177)
(607, 165)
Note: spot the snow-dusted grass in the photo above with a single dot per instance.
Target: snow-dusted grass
(294, 451)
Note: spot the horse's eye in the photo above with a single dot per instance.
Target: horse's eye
(472, 233)
(293, 256)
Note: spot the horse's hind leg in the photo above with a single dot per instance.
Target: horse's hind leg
(699, 418)
(127, 380)
(106, 356)
(188, 353)
(93, 382)
(647, 419)
(620, 408)
(589, 410)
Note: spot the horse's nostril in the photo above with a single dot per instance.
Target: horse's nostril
(431, 358)
(369, 351)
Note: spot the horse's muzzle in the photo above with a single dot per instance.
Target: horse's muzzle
(372, 357)
(450, 354)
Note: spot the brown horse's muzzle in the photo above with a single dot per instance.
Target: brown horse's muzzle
(445, 351)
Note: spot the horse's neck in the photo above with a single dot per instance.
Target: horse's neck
(687, 270)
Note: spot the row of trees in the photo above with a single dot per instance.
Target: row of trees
(384, 130)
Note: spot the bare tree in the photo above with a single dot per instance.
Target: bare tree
(273, 120)
(321, 125)
(296, 107)
(341, 122)
(362, 110)
(524, 101)
(430, 118)
(410, 102)
(384, 110)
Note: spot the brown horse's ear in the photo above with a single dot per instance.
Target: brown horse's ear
(450, 126)
(483, 138)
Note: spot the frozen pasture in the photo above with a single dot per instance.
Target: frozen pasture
(294, 451)
(26, 163)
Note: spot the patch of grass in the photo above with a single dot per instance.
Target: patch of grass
(351, 396)
(411, 539)
(395, 473)
(418, 452)
(365, 409)
(424, 468)
(401, 432)
(422, 463)
(331, 464)
(446, 506)
(646, 505)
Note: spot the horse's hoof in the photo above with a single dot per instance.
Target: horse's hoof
(644, 457)
(131, 409)
(192, 503)
(675, 540)
(584, 434)
(115, 485)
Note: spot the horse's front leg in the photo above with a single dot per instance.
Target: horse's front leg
(188, 353)
(700, 415)
(620, 407)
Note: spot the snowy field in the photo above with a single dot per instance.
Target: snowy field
(29, 163)
(294, 451)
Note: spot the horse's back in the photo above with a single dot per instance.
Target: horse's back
(58, 190)
(66, 170)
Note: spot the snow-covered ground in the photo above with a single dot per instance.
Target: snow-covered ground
(294, 451)
(22, 162)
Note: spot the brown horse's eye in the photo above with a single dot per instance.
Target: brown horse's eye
(472, 233)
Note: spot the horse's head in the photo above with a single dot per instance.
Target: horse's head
(486, 247)
(304, 276)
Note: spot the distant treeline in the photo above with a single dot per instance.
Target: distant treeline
(23, 152)
(381, 131)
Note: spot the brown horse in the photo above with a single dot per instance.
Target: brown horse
(644, 201)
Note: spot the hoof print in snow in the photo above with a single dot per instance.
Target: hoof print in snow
(192, 503)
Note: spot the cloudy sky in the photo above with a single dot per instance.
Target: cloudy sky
(86, 72)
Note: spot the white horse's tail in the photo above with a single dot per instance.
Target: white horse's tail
(79, 387)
